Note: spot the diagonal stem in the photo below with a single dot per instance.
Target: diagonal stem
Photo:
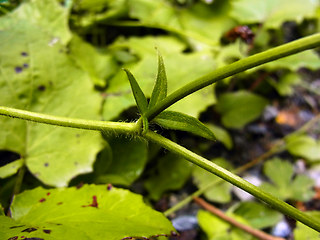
(234, 68)
(234, 179)
(279, 146)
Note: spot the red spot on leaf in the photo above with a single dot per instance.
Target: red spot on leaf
(42, 200)
(29, 230)
(13, 238)
(109, 187)
(94, 202)
(17, 226)
(18, 69)
(59, 203)
(145, 238)
(34, 238)
(48, 193)
(79, 185)
(160, 235)
(174, 234)
(47, 231)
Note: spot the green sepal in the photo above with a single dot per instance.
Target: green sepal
(139, 96)
(160, 87)
(183, 122)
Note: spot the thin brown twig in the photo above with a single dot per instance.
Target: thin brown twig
(254, 232)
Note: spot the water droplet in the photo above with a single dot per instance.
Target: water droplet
(53, 41)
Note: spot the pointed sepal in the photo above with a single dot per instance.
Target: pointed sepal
(183, 122)
(160, 87)
(139, 96)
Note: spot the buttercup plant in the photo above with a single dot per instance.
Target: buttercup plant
(155, 111)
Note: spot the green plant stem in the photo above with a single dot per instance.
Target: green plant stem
(279, 146)
(234, 68)
(104, 126)
(233, 179)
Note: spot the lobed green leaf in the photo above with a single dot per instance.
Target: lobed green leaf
(10, 168)
(91, 212)
(284, 186)
(272, 13)
(36, 74)
(239, 108)
(304, 146)
(100, 66)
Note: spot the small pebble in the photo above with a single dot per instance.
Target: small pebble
(282, 229)
(185, 222)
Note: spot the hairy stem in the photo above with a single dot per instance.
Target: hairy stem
(234, 179)
(125, 128)
(279, 146)
(234, 68)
